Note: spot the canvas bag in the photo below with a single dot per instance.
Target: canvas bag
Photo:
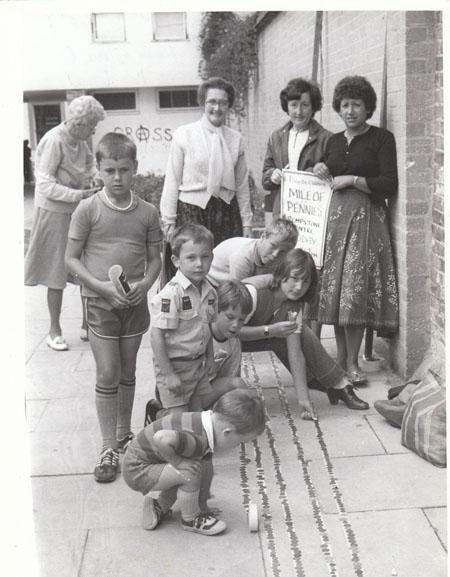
(424, 421)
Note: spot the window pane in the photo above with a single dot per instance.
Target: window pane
(109, 27)
(169, 25)
(116, 100)
(193, 98)
(178, 98)
(164, 99)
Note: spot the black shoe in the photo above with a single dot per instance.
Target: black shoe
(347, 395)
(151, 411)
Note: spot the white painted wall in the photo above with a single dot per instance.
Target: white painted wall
(151, 129)
(58, 53)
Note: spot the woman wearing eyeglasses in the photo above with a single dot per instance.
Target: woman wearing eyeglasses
(207, 177)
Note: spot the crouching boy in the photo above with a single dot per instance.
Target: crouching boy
(170, 453)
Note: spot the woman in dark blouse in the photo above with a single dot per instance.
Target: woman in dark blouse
(359, 287)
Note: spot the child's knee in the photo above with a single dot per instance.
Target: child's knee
(238, 383)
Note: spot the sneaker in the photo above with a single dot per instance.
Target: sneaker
(151, 411)
(107, 466)
(204, 523)
(152, 514)
(122, 444)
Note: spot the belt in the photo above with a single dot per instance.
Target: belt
(187, 358)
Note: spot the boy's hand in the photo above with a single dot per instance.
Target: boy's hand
(174, 384)
(283, 329)
(138, 292)
(189, 468)
(115, 299)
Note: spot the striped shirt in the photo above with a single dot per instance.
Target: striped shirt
(194, 437)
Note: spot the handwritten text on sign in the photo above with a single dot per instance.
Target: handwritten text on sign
(305, 199)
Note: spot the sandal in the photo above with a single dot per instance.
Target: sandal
(357, 378)
(56, 343)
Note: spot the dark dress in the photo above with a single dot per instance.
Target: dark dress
(358, 285)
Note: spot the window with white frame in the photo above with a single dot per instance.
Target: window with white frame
(114, 101)
(177, 98)
(108, 27)
(169, 26)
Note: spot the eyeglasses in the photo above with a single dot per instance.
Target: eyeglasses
(219, 103)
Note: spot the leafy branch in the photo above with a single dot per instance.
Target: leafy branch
(228, 46)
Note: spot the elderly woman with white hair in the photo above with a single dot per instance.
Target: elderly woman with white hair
(64, 171)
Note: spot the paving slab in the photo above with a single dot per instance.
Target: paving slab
(60, 552)
(398, 540)
(437, 517)
(389, 436)
(382, 482)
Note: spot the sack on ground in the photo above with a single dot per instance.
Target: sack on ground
(423, 425)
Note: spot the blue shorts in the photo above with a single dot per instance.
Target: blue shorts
(109, 323)
(194, 376)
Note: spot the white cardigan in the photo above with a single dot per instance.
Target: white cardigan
(187, 171)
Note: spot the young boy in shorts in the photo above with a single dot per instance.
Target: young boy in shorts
(239, 257)
(181, 314)
(234, 304)
(115, 227)
(168, 456)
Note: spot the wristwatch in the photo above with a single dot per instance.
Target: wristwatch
(266, 331)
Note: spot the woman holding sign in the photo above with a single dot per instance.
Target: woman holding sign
(299, 144)
(359, 287)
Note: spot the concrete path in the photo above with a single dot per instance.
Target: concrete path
(338, 497)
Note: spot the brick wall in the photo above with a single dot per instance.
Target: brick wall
(437, 242)
(354, 43)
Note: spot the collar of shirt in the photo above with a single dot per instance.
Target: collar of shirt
(185, 283)
(208, 426)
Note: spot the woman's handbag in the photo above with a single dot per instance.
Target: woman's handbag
(424, 421)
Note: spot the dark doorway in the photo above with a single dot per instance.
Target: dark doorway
(46, 116)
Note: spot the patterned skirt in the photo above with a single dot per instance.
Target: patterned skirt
(222, 219)
(358, 280)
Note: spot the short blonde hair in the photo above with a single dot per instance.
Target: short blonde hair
(86, 108)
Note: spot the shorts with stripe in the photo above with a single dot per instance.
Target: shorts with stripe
(110, 323)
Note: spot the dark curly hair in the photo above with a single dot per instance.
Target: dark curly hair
(215, 82)
(294, 90)
(357, 87)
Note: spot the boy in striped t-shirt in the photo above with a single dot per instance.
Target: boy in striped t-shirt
(171, 453)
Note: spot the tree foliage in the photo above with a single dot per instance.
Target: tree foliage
(228, 47)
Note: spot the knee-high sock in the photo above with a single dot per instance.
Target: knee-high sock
(188, 504)
(167, 498)
(125, 406)
(106, 405)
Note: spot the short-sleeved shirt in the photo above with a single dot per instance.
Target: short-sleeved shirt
(195, 437)
(236, 258)
(184, 312)
(227, 358)
(112, 236)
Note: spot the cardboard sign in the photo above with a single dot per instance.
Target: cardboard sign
(305, 199)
